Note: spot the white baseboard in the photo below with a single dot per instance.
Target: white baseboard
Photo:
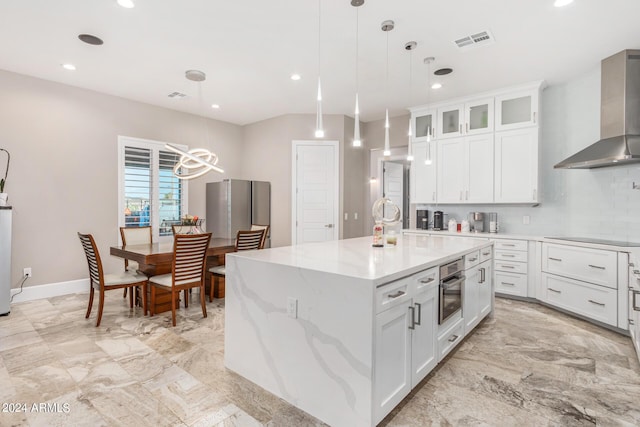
(30, 293)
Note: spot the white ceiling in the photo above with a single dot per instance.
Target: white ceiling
(248, 49)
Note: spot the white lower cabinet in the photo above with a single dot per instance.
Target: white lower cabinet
(405, 337)
(595, 302)
(450, 338)
(477, 296)
(511, 265)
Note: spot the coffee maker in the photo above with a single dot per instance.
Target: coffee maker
(476, 221)
(438, 218)
(422, 219)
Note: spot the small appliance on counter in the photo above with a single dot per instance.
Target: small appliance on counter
(422, 219)
(476, 222)
(438, 220)
(493, 222)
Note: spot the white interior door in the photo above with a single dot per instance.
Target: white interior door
(393, 189)
(315, 191)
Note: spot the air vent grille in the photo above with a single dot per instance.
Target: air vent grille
(176, 95)
(479, 39)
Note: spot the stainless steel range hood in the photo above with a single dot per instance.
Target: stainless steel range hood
(619, 116)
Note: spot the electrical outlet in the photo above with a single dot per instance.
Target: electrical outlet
(346, 216)
(26, 272)
(355, 215)
(292, 307)
(526, 219)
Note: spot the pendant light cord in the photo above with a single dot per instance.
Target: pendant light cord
(319, 23)
(357, 47)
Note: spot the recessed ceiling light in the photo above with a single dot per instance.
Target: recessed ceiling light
(215, 106)
(69, 67)
(561, 3)
(91, 39)
(295, 77)
(436, 86)
(126, 3)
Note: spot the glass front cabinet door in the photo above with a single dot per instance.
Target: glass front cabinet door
(517, 110)
(478, 116)
(423, 122)
(450, 121)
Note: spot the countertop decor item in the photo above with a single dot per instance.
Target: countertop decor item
(380, 220)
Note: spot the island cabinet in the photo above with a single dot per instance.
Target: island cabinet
(340, 329)
(478, 285)
(404, 337)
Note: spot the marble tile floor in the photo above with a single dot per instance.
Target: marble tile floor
(528, 365)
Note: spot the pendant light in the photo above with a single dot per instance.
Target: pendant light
(386, 27)
(357, 142)
(410, 46)
(428, 61)
(319, 130)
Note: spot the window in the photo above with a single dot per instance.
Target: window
(148, 191)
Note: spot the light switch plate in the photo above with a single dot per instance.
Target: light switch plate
(292, 307)
(526, 219)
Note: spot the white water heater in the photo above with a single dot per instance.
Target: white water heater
(5, 259)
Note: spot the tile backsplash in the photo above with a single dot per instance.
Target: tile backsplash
(599, 203)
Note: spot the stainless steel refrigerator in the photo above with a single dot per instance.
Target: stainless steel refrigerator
(5, 259)
(235, 204)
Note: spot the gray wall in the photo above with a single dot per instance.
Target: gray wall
(593, 203)
(64, 175)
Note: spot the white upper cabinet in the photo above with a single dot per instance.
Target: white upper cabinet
(469, 118)
(422, 121)
(516, 166)
(518, 109)
(465, 169)
(423, 177)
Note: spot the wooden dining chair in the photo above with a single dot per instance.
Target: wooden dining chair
(134, 236)
(104, 282)
(246, 240)
(189, 256)
(255, 227)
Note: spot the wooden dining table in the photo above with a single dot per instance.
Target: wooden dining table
(156, 258)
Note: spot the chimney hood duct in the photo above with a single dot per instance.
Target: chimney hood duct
(619, 142)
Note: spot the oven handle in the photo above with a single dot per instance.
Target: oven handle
(451, 284)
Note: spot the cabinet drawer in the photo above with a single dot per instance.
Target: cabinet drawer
(593, 301)
(503, 255)
(426, 278)
(512, 284)
(591, 265)
(451, 338)
(511, 267)
(471, 259)
(511, 245)
(486, 253)
(392, 294)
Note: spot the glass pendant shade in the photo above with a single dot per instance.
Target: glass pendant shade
(387, 149)
(319, 129)
(357, 142)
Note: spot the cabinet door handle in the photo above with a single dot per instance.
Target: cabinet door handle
(467, 130)
(631, 322)
(596, 303)
(433, 198)
(486, 253)
(467, 195)
(429, 280)
(555, 259)
(553, 290)
(453, 338)
(534, 193)
(417, 322)
(413, 318)
(508, 283)
(597, 266)
(482, 275)
(534, 117)
(460, 127)
(507, 266)
(508, 255)
(473, 259)
(511, 245)
(461, 194)
(396, 295)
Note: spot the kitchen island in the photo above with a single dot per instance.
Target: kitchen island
(343, 330)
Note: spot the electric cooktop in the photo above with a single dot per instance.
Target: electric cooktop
(597, 241)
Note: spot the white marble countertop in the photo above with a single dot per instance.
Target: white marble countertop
(357, 258)
(632, 250)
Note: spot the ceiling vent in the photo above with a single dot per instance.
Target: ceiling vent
(474, 40)
(176, 95)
